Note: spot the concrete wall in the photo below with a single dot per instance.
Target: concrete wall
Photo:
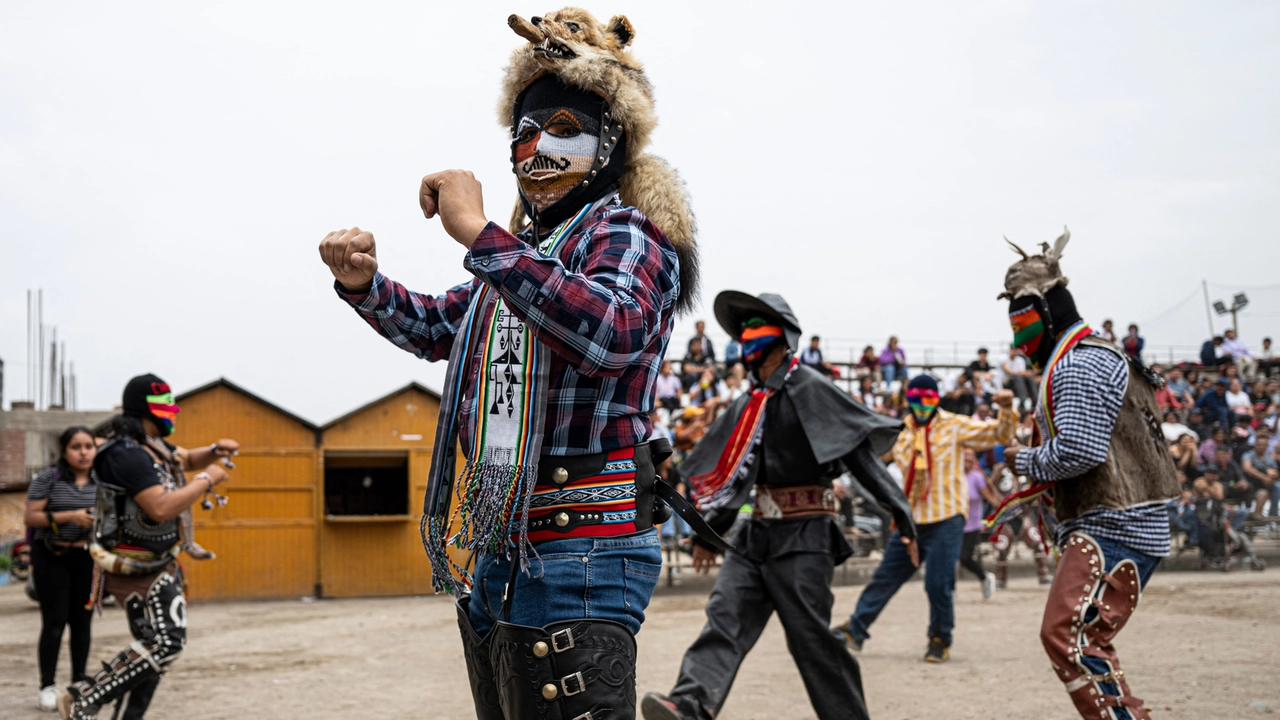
(13, 458)
(29, 440)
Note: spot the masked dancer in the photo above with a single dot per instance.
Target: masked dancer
(930, 453)
(788, 439)
(1101, 457)
(142, 522)
(554, 349)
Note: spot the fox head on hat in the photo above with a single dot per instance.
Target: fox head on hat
(589, 60)
(1040, 306)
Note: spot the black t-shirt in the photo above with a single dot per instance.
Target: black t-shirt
(128, 465)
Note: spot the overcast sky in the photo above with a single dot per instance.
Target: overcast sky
(168, 169)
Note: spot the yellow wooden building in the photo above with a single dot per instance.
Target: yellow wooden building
(328, 511)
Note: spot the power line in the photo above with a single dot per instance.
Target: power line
(1171, 310)
(1246, 287)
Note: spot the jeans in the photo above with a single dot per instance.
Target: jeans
(675, 527)
(1187, 522)
(892, 372)
(939, 544)
(1113, 552)
(610, 578)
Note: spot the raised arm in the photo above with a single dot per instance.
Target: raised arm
(421, 324)
(979, 435)
(602, 318)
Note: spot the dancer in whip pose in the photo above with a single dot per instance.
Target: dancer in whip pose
(786, 440)
(1101, 458)
(141, 524)
(554, 347)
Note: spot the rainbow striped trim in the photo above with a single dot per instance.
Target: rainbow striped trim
(1070, 339)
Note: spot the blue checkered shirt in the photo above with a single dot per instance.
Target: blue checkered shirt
(1089, 384)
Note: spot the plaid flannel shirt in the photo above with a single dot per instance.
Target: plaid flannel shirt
(604, 306)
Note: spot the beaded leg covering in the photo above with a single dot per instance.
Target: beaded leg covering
(1085, 611)
(1003, 544)
(573, 670)
(158, 624)
(484, 693)
(1030, 536)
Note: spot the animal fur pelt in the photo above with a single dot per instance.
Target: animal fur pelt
(584, 53)
(1035, 274)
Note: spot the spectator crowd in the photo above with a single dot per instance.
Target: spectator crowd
(1221, 417)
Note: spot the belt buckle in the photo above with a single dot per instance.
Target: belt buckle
(555, 640)
(564, 684)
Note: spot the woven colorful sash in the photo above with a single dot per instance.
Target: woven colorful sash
(508, 412)
(717, 487)
(1046, 431)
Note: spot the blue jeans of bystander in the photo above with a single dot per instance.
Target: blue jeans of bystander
(939, 545)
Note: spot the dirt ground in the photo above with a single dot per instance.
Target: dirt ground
(1203, 645)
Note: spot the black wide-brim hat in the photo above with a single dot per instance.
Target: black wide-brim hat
(733, 308)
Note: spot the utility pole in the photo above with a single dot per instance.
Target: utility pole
(1208, 313)
(40, 370)
(1238, 302)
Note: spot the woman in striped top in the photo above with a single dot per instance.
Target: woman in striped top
(60, 507)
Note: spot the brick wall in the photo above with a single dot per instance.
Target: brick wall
(13, 458)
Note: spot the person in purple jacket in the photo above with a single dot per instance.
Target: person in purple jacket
(893, 361)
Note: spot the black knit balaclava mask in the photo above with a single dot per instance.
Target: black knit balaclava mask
(1036, 322)
(557, 141)
(149, 397)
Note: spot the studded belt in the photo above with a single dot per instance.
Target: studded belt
(776, 503)
(598, 495)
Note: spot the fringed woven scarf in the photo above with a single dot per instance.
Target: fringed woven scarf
(1047, 430)
(717, 487)
(508, 412)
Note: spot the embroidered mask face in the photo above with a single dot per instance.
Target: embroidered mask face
(163, 409)
(553, 151)
(923, 403)
(1030, 330)
(758, 337)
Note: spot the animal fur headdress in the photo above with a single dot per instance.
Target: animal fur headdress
(584, 53)
(1035, 274)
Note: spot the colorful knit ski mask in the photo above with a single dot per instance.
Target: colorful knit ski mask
(1037, 320)
(147, 396)
(922, 397)
(758, 338)
(557, 142)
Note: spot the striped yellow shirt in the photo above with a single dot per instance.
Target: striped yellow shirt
(949, 436)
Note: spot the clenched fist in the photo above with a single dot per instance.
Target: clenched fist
(454, 195)
(351, 257)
